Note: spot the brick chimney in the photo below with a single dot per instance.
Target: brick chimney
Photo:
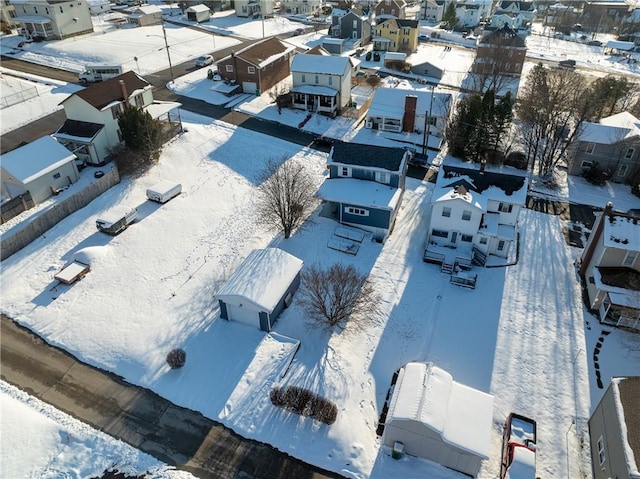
(594, 239)
(125, 93)
(409, 116)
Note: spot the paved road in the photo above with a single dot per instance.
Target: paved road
(177, 436)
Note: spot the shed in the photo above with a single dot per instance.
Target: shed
(261, 288)
(198, 13)
(42, 167)
(439, 419)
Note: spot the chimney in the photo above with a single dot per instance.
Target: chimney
(483, 164)
(409, 116)
(594, 239)
(125, 94)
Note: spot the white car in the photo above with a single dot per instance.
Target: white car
(203, 61)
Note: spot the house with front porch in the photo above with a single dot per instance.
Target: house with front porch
(365, 186)
(91, 130)
(254, 8)
(350, 25)
(610, 268)
(145, 15)
(52, 19)
(474, 214)
(386, 9)
(521, 13)
(321, 83)
(396, 35)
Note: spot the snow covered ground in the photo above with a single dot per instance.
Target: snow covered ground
(522, 335)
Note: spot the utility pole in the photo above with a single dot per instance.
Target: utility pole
(164, 34)
(427, 126)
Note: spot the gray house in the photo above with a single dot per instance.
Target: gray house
(613, 146)
(614, 431)
(365, 186)
(350, 25)
(261, 288)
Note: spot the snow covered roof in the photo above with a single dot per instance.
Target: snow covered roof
(36, 159)
(626, 392)
(328, 65)
(368, 156)
(611, 130)
(198, 8)
(159, 108)
(462, 194)
(523, 465)
(618, 45)
(395, 56)
(262, 278)
(107, 92)
(315, 90)
(148, 9)
(621, 232)
(263, 52)
(369, 194)
(461, 415)
(389, 102)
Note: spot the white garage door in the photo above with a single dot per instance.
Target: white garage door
(243, 314)
(249, 87)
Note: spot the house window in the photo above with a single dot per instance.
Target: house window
(56, 176)
(601, 455)
(446, 212)
(317, 79)
(228, 68)
(61, 11)
(356, 211)
(382, 177)
(467, 238)
(304, 78)
(590, 148)
(46, 10)
(344, 171)
(505, 207)
(630, 258)
(139, 101)
(330, 80)
(622, 170)
(586, 164)
(500, 245)
(466, 215)
(35, 10)
(355, 24)
(393, 12)
(629, 154)
(507, 66)
(116, 110)
(483, 240)
(440, 233)
(251, 70)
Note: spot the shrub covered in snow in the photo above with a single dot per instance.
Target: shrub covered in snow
(304, 402)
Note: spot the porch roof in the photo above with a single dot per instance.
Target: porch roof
(32, 19)
(492, 227)
(369, 194)
(315, 90)
(75, 129)
(159, 108)
(627, 300)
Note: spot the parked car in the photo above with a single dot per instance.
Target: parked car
(423, 38)
(567, 63)
(595, 43)
(518, 448)
(298, 31)
(203, 61)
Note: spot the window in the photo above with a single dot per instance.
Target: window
(629, 154)
(467, 238)
(507, 67)
(304, 78)
(56, 176)
(590, 148)
(355, 24)
(317, 79)
(251, 70)
(35, 10)
(382, 177)
(446, 212)
(61, 11)
(440, 233)
(344, 171)
(356, 211)
(630, 258)
(601, 455)
(228, 68)
(500, 245)
(46, 10)
(330, 80)
(586, 164)
(139, 101)
(483, 240)
(505, 207)
(466, 215)
(116, 110)
(622, 170)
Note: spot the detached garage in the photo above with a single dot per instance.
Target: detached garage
(439, 419)
(261, 288)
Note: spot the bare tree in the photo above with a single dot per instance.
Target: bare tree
(551, 110)
(286, 195)
(335, 297)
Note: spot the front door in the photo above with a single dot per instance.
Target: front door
(454, 237)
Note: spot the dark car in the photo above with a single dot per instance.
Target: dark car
(423, 38)
(324, 141)
(635, 212)
(595, 43)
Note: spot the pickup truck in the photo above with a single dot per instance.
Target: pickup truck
(518, 448)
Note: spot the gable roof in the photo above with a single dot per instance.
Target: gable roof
(611, 129)
(404, 22)
(503, 36)
(147, 9)
(101, 94)
(368, 155)
(328, 65)
(36, 159)
(626, 392)
(389, 102)
(198, 8)
(262, 53)
(621, 231)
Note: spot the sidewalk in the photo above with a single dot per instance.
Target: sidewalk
(177, 436)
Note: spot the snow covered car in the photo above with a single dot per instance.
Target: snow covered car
(518, 448)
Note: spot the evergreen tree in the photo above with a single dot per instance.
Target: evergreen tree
(449, 17)
(141, 133)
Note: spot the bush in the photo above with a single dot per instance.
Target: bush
(368, 56)
(596, 176)
(176, 358)
(304, 402)
(376, 57)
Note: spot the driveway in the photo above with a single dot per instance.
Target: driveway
(175, 435)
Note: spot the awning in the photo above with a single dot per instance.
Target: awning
(159, 108)
(315, 90)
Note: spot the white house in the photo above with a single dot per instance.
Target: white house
(146, 15)
(254, 8)
(439, 419)
(432, 10)
(413, 111)
(42, 167)
(198, 13)
(98, 7)
(475, 212)
(321, 83)
(610, 266)
(261, 288)
(53, 19)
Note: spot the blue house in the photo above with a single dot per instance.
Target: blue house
(365, 186)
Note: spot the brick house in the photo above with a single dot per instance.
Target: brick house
(493, 48)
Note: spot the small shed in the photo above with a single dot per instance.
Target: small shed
(198, 13)
(146, 15)
(261, 288)
(43, 167)
(335, 46)
(436, 418)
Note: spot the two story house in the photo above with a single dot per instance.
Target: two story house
(321, 83)
(91, 130)
(396, 35)
(254, 8)
(52, 19)
(301, 7)
(515, 14)
(386, 9)
(258, 67)
(610, 267)
(351, 25)
(145, 15)
(613, 146)
(501, 51)
(365, 186)
(475, 213)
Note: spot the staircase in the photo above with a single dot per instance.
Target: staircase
(479, 258)
(446, 268)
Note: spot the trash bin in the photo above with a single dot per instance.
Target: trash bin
(398, 450)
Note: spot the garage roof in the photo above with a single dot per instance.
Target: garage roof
(36, 159)
(262, 278)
